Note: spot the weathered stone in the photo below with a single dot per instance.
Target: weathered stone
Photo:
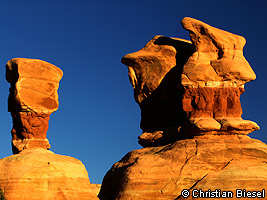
(32, 98)
(186, 89)
(225, 162)
(39, 174)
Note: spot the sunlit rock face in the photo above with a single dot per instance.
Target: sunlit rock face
(32, 98)
(193, 135)
(190, 88)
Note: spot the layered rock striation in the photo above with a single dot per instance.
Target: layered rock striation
(193, 136)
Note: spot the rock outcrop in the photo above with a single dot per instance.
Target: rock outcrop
(36, 174)
(195, 141)
(32, 98)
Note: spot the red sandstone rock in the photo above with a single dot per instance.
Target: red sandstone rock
(225, 162)
(32, 98)
(39, 174)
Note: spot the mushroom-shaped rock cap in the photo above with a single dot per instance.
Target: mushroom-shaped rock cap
(218, 59)
(34, 85)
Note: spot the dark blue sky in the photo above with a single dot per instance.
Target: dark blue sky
(98, 119)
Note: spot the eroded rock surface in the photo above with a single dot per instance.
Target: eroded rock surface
(225, 162)
(39, 174)
(190, 88)
(32, 98)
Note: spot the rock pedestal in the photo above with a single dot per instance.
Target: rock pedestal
(193, 136)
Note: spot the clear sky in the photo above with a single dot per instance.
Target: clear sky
(98, 119)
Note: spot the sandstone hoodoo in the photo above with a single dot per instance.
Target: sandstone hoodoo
(32, 98)
(34, 172)
(195, 141)
(214, 78)
(190, 88)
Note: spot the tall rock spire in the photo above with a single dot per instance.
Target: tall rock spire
(32, 98)
(34, 172)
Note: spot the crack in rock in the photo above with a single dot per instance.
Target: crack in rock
(193, 185)
(226, 164)
(186, 161)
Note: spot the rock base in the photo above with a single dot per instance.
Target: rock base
(39, 174)
(225, 162)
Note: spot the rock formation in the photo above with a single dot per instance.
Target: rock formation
(186, 89)
(32, 98)
(34, 172)
(193, 136)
